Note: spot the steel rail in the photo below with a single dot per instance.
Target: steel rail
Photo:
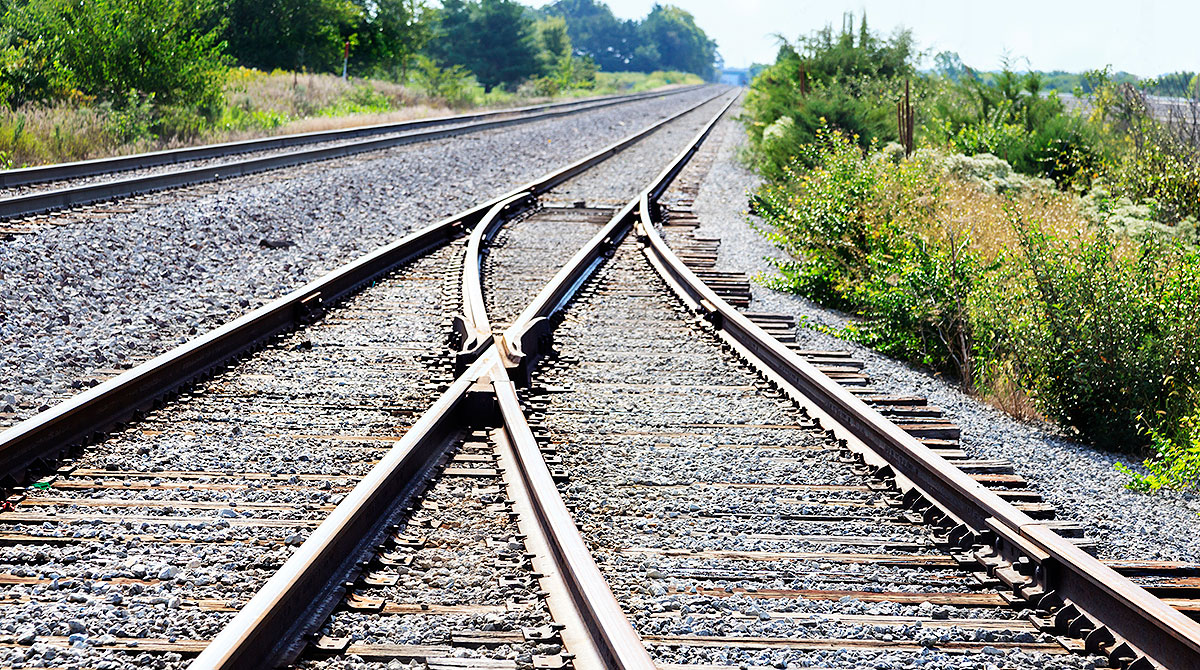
(71, 196)
(269, 630)
(473, 327)
(611, 642)
(1115, 616)
(523, 342)
(47, 434)
(89, 168)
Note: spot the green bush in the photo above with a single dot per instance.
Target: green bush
(167, 49)
(1100, 334)
(849, 80)
(452, 84)
(845, 222)
(1176, 464)
(1097, 333)
(1008, 116)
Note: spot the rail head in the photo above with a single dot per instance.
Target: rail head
(1112, 604)
(611, 642)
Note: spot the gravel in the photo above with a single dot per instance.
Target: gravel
(165, 529)
(473, 546)
(1079, 480)
(649, 414)
(526, 253)
(41, 187)
(122, 288)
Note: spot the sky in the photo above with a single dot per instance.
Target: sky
(1145, 37)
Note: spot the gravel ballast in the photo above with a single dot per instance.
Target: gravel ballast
(1079, 480)
(720, 518)
(165, 529)
(124, 287)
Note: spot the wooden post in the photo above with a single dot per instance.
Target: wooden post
(904, 121)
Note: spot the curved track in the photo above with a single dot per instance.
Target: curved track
(616, 469)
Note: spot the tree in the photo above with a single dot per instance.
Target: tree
(680, 44)
(595, 32)
(453, 41)
(949, 65)
(291, 34)
(168, 50)
(554, 45)
(391, 33)
(507, 51)
(494, 39)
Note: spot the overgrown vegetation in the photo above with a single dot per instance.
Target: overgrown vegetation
(1041, 257)
(87, 78)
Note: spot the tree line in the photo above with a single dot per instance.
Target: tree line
(176, 52)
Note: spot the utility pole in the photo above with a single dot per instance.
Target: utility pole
(345, 59)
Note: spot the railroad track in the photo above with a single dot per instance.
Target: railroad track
(541, 440)
(28, 193)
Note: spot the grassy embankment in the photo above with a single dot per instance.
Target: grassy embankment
(258, 104)
(1044, 260)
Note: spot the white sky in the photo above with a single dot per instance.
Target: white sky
(1145, 37)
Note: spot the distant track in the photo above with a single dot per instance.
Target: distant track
(356, 140)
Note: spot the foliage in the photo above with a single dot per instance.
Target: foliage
(671, 40)
(1174, 84)
(846, 222)
(849, 80)
(168, 51)
(1176, 464)
(1096, 330)
(1150, 162)
(291, 34)
(391, 34)
(494, 39)
(1010, 117)
(452, 84)
(667, 39)
(1101, 334)
(595, 32)
(636, 82)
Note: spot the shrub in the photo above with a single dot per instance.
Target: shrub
(1097, 331)
(1101, 333)
(1176, 464)
(848, 80)
(167, 49)
(849, 223)
(452, 84)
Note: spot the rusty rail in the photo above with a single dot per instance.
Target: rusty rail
(48, 434)
(1113, 615)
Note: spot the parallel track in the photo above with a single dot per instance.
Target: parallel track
(827, 459)
(352, 141)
